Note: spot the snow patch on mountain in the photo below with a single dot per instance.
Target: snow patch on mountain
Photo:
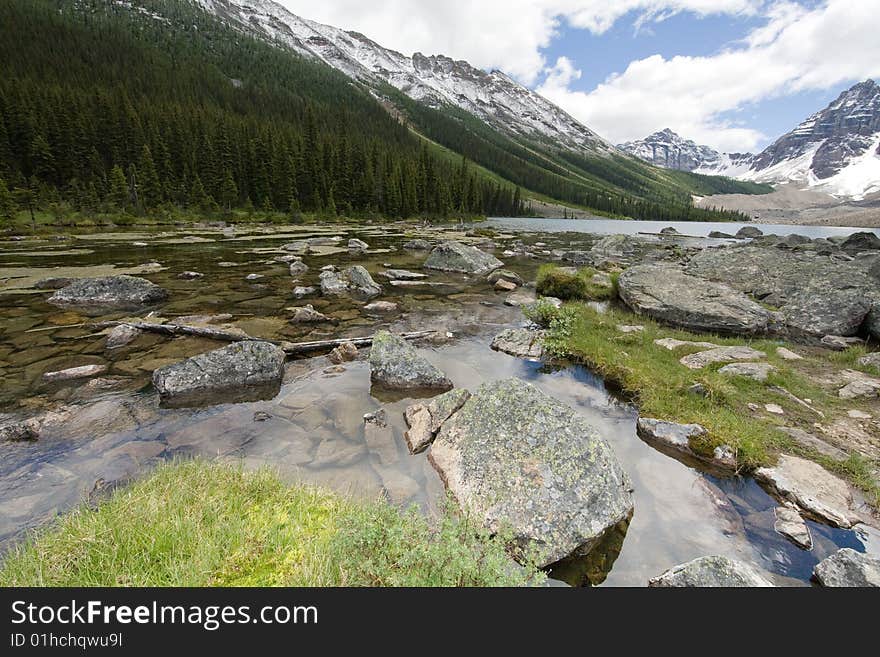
(434, 80)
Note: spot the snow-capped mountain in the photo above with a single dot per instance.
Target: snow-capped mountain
(836, 150)
(434, 80)
(667, 149)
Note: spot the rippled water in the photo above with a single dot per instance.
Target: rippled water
(315, 430)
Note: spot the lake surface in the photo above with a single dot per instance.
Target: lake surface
(695, 228)
(314, 430)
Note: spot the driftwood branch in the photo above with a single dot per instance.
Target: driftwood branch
(290, 348)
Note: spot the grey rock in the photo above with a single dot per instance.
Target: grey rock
(871, 360)
(381, 307)
(424, 420)
(403, 275)
(674, 437)
(332, 284)
(714, 571)
(301, 291)
(755, 371)
(109, 293)
(307, 315)
(121, 336)
(810, 441)
(53, 283)
(395, 364)
(298, 268)
(80, 372)
(790, 524)
(300, 247)
(520, 298)
(787, 354)
(246, 370)
(858, 242)
(861, 386)
(504, 275)
(15, 432)
(519, 459)
(664, 292)
(815, 491)
(458, 257)
(717, 234)
(190, 275)
(520, 342)
(417, 245)
(848, 568)
(254, 277)
(360, 283)
(839, 342)
(673, 343)
(749, 232)
(344, 353)
(357, 246)
(701, 359)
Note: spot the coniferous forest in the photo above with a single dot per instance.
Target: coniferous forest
(100, 111)
(110, 108)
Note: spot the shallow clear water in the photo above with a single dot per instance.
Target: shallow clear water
(315, 430)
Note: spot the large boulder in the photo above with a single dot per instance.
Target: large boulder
(242, 371)
(522, 461)
(354, 281)
(714, 571)
(846, 567)
(666, 293)
(858, 242)
(109, 293)
(395, 364)
(455, 256)
(816, 294)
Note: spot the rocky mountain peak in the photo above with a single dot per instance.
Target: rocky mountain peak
(667, 149)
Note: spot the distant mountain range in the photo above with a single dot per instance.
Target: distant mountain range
(836, 150)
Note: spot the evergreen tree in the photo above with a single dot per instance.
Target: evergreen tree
(119, 193)
(7, 203)
(228, 191)
(150, 187)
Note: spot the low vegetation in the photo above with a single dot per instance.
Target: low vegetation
(200, 524)
(661, 385)
(570, 284)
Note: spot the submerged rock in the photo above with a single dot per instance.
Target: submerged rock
(242, 371)
(519, 459)
(307, 315)
(504, 275)
(381, 307)
(714, 571)
(15, 432)
(664, 292)
(395, 364)
(80, 372)
(355, 281)
(301, 291)
(403, 275)
(817, 492)
(848, 568)
(344, 353)
(417, 245)
(121, 336)
(109, 293)
(298, 268)
(424, 420)
(520, 342)
(190, 275)
(458, 257)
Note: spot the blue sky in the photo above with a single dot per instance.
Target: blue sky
(732, 74)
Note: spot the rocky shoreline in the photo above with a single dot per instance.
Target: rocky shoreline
(519, 459)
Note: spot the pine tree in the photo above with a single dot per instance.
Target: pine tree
(150, 186)
(228, 191)
(119, 193)
(199, 198)
(7, 203)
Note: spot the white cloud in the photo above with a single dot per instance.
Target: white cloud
(798, 49)
(504, 34)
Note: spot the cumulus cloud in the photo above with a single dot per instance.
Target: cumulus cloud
(798, 49)
(503, 34)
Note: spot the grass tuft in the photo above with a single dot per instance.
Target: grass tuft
(560, 282)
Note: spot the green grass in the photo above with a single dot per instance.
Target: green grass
(200, 524)
(659, 383)
(560, 282)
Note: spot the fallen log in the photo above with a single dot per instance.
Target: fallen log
(290, 348)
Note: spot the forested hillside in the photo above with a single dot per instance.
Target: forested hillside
(103, 106)
(155, 105)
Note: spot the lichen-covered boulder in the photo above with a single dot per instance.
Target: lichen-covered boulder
(846, 567)
(711, 571)
(666, 293)
(242, 371)
(523, 461)
(109, 293)
(395, 364)
(455, 256)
